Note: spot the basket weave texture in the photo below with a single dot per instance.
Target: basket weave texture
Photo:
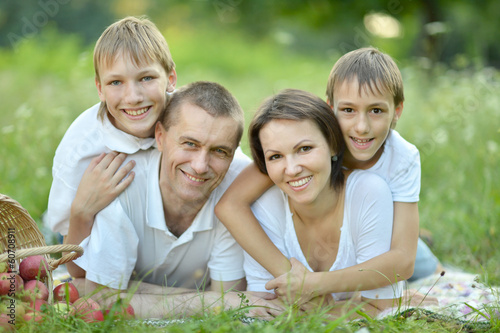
(20, 237)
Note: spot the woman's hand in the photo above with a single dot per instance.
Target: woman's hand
(101, 183)
(295, 286)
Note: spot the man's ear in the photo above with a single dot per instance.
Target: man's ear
(99, 90)
(160, 133)
(172, 81)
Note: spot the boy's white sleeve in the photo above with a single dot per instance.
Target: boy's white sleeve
(405, 184)
(110, 252)
(371, 210)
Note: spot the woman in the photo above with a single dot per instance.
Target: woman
(326, 217)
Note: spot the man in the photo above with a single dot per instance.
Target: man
(162, 229)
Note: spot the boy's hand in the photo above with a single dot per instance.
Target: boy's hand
(101, 183)
(293, 286)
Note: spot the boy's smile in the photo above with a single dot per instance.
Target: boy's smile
(135, 94)
(365, 118)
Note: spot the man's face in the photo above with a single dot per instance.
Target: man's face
(196, 153)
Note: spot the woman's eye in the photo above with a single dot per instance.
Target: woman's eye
(347, 110)
(274, 157)
(305, 149)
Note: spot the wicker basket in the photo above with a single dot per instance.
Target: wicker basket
(21, 238)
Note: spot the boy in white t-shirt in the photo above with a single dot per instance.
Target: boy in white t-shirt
(134, 72)
(365, 90)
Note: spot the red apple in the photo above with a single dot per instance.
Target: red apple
(35, 289)
(33, 267)
(37, 305)
(6, 323)
(10, 284)
(88, 309)
(66, 288)
(35, 316)
(121, 309)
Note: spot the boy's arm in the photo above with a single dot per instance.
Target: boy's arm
(101, 183)
(234, 211)
(394, 265)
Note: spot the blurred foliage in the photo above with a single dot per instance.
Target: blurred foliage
(461, 33)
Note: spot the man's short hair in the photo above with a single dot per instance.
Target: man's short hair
(216, 100)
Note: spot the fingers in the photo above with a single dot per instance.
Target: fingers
(275, 283)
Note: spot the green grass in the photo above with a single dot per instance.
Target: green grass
(450, 115)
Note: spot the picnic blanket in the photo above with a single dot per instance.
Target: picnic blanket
(460, 296)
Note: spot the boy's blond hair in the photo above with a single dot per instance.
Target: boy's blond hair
(135, 37)
(373, 69)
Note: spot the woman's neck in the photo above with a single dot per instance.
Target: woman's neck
(316, 212)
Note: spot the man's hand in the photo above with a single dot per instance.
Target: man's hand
(293, 286)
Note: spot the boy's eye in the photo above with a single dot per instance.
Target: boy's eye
(147, 78)
(305, 149)
(377, 110)
(115, 83)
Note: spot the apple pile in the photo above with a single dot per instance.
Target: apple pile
(24, 297)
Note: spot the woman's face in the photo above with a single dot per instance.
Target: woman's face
(298, 158)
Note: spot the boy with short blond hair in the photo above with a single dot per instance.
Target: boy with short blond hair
(134, 73)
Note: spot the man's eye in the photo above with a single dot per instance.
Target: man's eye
(190, 144)
(220, 151)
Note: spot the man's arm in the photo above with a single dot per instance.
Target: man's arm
(234, 211)
(153, 301)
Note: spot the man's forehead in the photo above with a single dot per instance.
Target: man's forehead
(197, 124)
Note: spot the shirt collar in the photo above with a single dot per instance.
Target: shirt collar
(155, 217)
(120, 141)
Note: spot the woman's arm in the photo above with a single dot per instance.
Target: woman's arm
(234, 211)
(101, 183)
